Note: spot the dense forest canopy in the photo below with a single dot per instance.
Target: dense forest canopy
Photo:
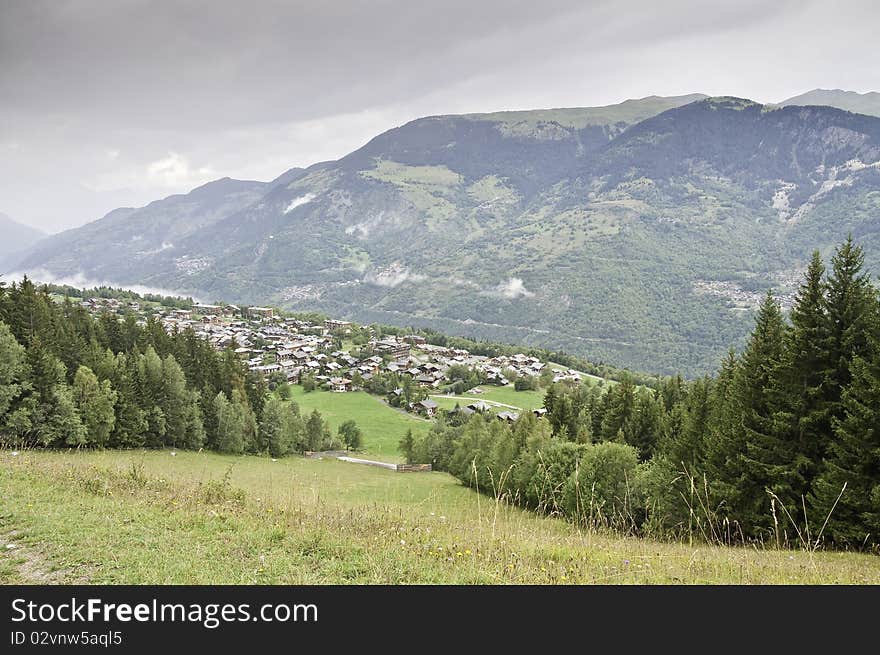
(69, 380)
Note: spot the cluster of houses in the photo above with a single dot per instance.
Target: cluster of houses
(96, 305)
(429, 408)
(296, 349)
(741, 299)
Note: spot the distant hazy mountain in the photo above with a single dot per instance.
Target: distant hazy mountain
(858, 103)
(639, 234)
(15, 238)
(124, 244)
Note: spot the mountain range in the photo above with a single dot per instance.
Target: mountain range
(858, 103)
(639, 234)
(16, 239)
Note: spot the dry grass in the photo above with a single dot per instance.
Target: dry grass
(149, 517)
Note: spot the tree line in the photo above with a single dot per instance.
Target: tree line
(781, 446)
(121, 294)
(69, 380)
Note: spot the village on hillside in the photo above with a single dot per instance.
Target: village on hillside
(296, 350)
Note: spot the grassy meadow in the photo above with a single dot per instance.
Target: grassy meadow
(139, 517)
(517, 400)
(382, 425)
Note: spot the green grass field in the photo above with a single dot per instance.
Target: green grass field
(139, 517)
(522, 400)
(510, 396)
(382, 426)
(587, 377)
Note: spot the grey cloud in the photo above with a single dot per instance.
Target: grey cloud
(118, 103)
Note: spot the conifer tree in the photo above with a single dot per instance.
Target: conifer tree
(406, 446)
(684, 445)
(802, 420)
(617, 417)
(131, 423)
(194, 435)
(763, 455)
(854, 460)
(850, 306)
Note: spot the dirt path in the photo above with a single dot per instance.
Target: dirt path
(369, 462)
(401, 410)
(31, 565)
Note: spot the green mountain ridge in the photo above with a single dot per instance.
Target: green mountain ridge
(640, 234)
(858, 103)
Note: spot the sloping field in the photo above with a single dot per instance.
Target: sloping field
(382, 425)
(152, 517)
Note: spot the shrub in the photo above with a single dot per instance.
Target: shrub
(607, 487)
(548, 470)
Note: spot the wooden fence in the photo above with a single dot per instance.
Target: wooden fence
(406, 468)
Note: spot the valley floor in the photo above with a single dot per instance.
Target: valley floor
(145, 517)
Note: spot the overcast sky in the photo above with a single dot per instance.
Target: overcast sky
(117, 103)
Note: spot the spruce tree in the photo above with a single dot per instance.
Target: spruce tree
(802, 420)
(131, 425)
(723, 443)
(764, 454)
(851, 309)
(744, 450)
(406, 445)
(618, 416)
(854, 461)
(684, 445)
(854, 458)
(850, 304)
